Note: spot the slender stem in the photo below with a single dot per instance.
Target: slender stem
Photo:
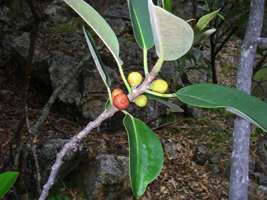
(145, 61)
(109, 94)
(123, 76)
(159, 65)
(161, 95)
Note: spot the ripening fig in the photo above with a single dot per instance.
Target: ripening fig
(121, 101)
(116, 91)
(134, 79)
(159, 86)
(141, 101)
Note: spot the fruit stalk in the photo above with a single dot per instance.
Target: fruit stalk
(74, 143)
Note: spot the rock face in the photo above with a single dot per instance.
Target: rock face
(47, 154)
(201, 154)
(104, 178)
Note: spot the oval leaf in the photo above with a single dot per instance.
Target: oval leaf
(216, 96)
(173, 36)
(98, 24)
(204, 21)
(141, 23)
(7, 180)
(96, 57)
(145, 152)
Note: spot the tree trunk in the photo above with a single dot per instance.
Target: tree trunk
(240, 155)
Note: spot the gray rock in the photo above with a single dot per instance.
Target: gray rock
(201, 154)
(47, 154)
(107, 178)
(57, 12)
(60, 68)
(170, 149)
(21, 44)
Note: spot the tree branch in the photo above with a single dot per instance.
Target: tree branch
(240, 155)
(74, 143)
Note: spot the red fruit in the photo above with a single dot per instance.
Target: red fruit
(116, 91)
(121, 101)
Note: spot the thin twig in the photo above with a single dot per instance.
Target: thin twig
(73, 144)
(37, 167)
(34, 154)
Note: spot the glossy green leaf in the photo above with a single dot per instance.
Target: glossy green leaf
(172, 35)
(261, 75)
(141, 23)
(204, 21)
(96, 57)
(167, 5)
(98, 24)
(7, 180)
(145, 152)
(235, 101)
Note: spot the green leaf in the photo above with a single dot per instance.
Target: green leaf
(261, 75)
(173, 36)
(141, 23)
(98, 24)
(145, 152)
(235, 101)
(99, 64)
(7, 180)
(202, 36)
(167, 5)
(206, 19)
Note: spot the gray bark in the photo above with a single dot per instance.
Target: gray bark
(240, 155)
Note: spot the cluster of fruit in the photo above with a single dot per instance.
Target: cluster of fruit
(120, 99)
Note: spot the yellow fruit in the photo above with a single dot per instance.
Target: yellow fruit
(134, 79)
(159, 86)
(141, 101)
